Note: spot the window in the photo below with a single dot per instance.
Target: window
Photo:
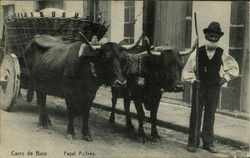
(129, 16)
(42, 4)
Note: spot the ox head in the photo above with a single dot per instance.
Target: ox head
(168, 66)
(108, 60)
(112, 64)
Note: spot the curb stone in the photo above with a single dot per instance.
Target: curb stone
(234, 143)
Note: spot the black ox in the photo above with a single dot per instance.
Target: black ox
(65, 70)
(156, 73)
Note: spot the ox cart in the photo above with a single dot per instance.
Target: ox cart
(19, 30)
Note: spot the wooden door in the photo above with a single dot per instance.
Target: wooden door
(170, 23)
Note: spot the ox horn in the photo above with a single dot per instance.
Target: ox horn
(157, 50)
(93, 47)
(129, 47)
(186, 52)
(156, 53)
(189, 51)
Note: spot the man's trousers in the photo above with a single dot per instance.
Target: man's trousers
(208, 99)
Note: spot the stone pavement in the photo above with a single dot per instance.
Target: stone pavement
(229, 128)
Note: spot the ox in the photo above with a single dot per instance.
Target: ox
(158, 72)
(74, 71)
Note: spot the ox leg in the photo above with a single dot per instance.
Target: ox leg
(129, 124)
(114, 100)
(30, 94)
(43, 114)
(153, 117)
(85, 119)
(140, 115)
(70, 127)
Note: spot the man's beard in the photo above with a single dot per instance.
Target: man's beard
(211, 45)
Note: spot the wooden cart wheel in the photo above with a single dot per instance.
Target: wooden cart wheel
(9, 81)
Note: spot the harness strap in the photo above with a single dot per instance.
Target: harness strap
(139, 64)
(134, 62)
(92, 69)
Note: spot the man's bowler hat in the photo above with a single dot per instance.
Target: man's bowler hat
(213, 27)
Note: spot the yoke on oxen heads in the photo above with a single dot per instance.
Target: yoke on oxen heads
(166, 64)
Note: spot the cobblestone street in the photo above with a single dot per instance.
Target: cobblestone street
(108, 141)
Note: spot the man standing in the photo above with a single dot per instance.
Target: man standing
(210, 59)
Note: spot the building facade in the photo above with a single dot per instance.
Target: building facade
(165, 23)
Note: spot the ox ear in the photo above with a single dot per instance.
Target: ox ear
(86, 51)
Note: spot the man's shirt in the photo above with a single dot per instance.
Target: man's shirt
(230, 66)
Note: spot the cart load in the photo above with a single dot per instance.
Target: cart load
(20, 29)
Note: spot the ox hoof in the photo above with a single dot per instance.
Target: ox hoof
(70, 137)
(155, 139)
(112, 122)
(29, 96)
(49, 122)
(43, 125)
(130, 128)
(87, 138)
(44, 122)
(7, 109)
(143, 139)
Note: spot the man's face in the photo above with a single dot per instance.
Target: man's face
(212, 37)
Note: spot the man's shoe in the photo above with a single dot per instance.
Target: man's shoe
(192, 149)
(210, 149)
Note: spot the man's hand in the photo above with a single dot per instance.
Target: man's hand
(196, 83)
(222, 81)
